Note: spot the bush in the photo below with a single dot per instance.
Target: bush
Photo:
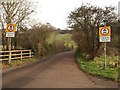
(43, 40)
(35, 39)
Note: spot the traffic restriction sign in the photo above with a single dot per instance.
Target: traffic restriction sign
(104, 34)
(104, 31)
(11, 28)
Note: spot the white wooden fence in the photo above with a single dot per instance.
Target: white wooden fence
(15, 54)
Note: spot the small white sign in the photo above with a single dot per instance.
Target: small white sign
(10, 34)
(104, 39)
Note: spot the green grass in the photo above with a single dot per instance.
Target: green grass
(96, 67)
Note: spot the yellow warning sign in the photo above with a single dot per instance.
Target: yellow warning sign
(11, 28)
(105, 31)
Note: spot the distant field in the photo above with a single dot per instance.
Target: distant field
(58, 37)
(66, 38)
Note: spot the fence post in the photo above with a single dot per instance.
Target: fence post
(30, 54)
(21, 54)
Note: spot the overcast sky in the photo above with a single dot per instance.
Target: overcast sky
(55, 12)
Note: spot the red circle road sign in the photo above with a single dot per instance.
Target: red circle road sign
(11, 28)
(104, 31)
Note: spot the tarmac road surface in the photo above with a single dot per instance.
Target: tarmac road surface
(57, 71)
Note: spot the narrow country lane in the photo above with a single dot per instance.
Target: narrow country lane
(57, 71)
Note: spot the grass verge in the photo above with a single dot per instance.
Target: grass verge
(95, 67)
(15, 63)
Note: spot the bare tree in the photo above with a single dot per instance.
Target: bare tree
(15, 11)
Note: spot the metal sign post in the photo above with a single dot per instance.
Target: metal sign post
(104, 36)
(9, 38)
(105, 49)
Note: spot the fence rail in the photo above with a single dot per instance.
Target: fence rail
(15, 54)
